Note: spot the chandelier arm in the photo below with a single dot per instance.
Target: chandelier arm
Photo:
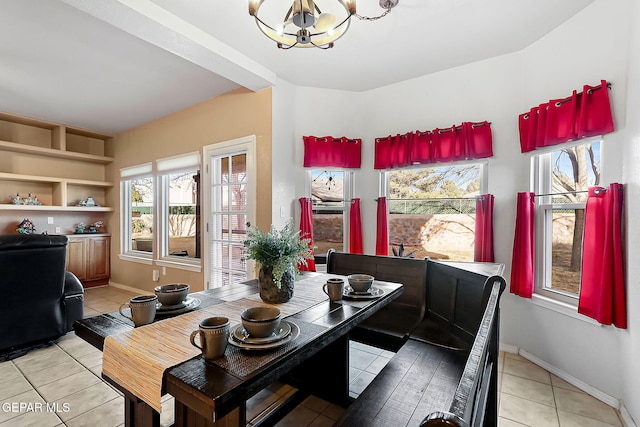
(288, 15)
(319, 46)
(282, 46)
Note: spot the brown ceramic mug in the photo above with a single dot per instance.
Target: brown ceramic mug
(143, 309)
(214, 335)
(334, 288)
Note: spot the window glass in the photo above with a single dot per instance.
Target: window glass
(565, 177)
(141, 214)
(182, 219)
(432, 211)
(328, 199)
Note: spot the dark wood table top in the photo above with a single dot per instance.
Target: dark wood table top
(213, 389)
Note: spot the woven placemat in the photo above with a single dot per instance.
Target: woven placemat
(242, 363)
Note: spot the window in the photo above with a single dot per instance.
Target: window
(161, 212)
(330, 195)
(137, 210)
(179, 207)
(561, 180)
(432, 210)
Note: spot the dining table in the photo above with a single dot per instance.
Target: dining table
(149, 361)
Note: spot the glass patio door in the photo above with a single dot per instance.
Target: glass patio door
(228, 218)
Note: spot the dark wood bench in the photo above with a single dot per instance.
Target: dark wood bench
(431, 385)
(440, 304)
(390, 327)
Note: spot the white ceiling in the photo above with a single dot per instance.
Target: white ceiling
(110, 65)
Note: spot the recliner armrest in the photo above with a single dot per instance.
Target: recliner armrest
(72, 286)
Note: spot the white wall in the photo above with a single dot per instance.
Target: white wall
(283, 173)
(630, 350)
(591, 46)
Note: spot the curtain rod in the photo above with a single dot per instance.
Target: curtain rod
(597, 191)
(445, 130)
(569, 98)
(442, 198)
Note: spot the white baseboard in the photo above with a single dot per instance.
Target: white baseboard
(590, 390)
(600, 395)
(508, 348)
(626, 416)
(129, 288)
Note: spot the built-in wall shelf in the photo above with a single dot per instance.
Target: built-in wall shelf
(43, 208)
(52, 152)
(69, 181)
(61, 165)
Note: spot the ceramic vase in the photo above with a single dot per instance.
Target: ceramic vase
(269, 291)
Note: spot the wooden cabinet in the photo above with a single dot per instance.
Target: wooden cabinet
(60, 165)
(89, 258)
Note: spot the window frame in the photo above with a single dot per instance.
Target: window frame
(127, 175)
(166, 167)
(385, 178)
(159, 171)
(348, 187)
(542, 184)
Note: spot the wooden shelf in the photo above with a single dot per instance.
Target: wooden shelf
(52, 152)
(53, 180)
(29, 143)
(46, 208)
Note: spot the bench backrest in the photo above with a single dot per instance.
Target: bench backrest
(454, 292)
(411, 272)
(475, 401)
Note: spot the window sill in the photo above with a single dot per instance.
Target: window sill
(136, 258)
(191, 265)
(561, 307)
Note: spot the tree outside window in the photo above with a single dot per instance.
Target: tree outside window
(565, 177)
(432, 211)
(329, 218)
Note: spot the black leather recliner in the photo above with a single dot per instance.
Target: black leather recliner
(39, 300)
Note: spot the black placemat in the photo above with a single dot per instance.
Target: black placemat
(241, 362)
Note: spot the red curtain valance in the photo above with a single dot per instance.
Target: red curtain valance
(580, 115)
(329, 151)
(466, 141)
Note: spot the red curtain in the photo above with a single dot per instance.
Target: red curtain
(602, 287)
(328, 151)
(484, 229)
(522, 263)
(306, 229)
(595, 116)
(382, 230)
(466, 141)
(583, 114)
(355, 228)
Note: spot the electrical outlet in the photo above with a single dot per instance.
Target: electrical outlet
(156, 275)
(164, 271)
(58, 230)
(281, 211)
(49, 220)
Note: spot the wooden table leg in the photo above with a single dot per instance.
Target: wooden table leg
(185, 417)
(138, 413)
(326, 374)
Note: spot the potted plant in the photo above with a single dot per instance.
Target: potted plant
(279, 254)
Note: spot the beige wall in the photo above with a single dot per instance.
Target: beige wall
(233, 115)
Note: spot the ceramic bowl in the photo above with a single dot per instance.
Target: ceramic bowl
(360, 282)
(172, 294)
(260, 322)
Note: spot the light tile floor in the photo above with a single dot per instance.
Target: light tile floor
(63, 386)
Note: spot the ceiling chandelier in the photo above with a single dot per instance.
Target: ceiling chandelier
(305, 24)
